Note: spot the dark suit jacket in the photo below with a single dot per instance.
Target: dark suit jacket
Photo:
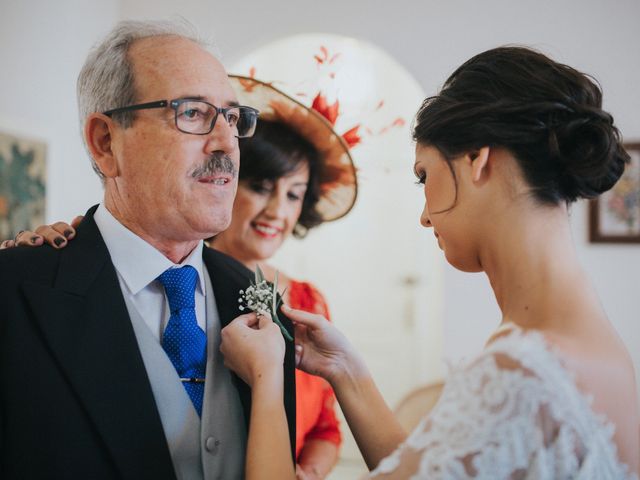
(75, 399)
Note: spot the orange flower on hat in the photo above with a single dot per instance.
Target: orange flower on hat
(330, 112)
(324, 57)
(247, 83)
(351, 136)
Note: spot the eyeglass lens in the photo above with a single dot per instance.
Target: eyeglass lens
(199, 117)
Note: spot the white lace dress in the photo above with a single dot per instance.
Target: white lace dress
(512, 413)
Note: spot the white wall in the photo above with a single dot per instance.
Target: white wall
(42, 48)
(42, 45)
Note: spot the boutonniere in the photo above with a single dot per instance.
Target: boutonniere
(262, 297)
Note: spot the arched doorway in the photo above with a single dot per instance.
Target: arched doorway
(380, 271)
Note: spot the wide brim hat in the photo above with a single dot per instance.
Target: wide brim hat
(338, 181)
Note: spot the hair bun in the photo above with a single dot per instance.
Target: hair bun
(586, 146)
(548, 115)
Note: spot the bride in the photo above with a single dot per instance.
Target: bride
(511, 140)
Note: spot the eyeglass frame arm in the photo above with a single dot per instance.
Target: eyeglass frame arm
(139, 106)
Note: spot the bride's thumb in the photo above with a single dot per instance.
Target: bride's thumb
(298, 350)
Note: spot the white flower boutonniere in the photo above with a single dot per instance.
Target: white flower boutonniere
(262, 297)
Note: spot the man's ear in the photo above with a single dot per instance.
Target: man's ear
(98, 130)
(480, 167)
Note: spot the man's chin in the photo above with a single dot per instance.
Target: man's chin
(218, 225)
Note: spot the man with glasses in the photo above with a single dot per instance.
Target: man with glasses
(109, 349)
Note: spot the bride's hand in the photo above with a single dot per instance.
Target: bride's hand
(55, 235)
(321, 349)
(253, 347)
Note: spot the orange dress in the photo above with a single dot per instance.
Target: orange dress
(315, 401)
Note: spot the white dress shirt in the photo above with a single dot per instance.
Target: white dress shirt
(138, 279)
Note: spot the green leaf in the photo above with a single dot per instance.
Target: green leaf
(275, 300)
(259, 275)
(280, 299)
(274, 293)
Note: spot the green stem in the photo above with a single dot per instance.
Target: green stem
(285, 332)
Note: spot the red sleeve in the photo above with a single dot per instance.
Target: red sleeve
(304, 296)
(327, 427)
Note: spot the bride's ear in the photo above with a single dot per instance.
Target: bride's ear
(479, 163)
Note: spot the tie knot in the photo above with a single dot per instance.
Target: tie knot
(180, 286)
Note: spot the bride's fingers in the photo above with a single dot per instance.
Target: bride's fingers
(298, 350)
(247, 319)
(304, 318)
(300, 331)
(264, 319)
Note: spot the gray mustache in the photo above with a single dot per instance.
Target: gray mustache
(218, 162)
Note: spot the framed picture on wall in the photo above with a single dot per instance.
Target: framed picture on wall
(22, 184)
(614, 217)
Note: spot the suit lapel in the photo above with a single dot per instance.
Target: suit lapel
(85, 321)
(227, 283)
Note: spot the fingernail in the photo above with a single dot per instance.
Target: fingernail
(34, 239)
(58, 241)
(68, 233)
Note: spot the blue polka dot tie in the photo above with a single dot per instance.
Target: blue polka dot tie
(183, 340)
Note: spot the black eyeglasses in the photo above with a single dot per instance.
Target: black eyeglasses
(198, 117)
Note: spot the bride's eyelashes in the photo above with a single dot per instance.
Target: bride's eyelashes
(422, 178)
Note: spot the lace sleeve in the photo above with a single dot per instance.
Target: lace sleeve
(502, 417)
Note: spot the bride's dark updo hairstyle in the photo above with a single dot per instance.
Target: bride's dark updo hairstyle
(548, 115)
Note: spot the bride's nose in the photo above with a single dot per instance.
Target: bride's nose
(424, 217)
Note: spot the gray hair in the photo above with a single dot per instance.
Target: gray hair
(106, 79)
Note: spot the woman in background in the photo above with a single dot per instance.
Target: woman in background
(295, 173)
(511, 140)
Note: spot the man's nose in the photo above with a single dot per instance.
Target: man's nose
(222, 137)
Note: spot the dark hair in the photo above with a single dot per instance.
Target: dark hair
(548, 115)
(276, 150)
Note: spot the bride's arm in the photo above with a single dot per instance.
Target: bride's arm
(268, 453)
(322, 350)
(254, 349)
(371, 421)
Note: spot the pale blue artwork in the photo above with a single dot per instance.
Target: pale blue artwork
(22, 184)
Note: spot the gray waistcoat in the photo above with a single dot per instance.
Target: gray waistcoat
(209, 448)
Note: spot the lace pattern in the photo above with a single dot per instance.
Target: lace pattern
(512, 413)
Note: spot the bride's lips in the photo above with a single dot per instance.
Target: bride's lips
(265, 230)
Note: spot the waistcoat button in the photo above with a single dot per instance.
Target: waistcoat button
(211, 444)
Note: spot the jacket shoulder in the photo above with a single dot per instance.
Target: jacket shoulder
(33, 263)
(222, 260)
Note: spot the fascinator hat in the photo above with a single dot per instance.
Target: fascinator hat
(338, 183)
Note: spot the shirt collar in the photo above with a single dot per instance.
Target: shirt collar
(124, 246)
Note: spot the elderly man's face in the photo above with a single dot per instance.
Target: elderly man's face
(165, 176)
